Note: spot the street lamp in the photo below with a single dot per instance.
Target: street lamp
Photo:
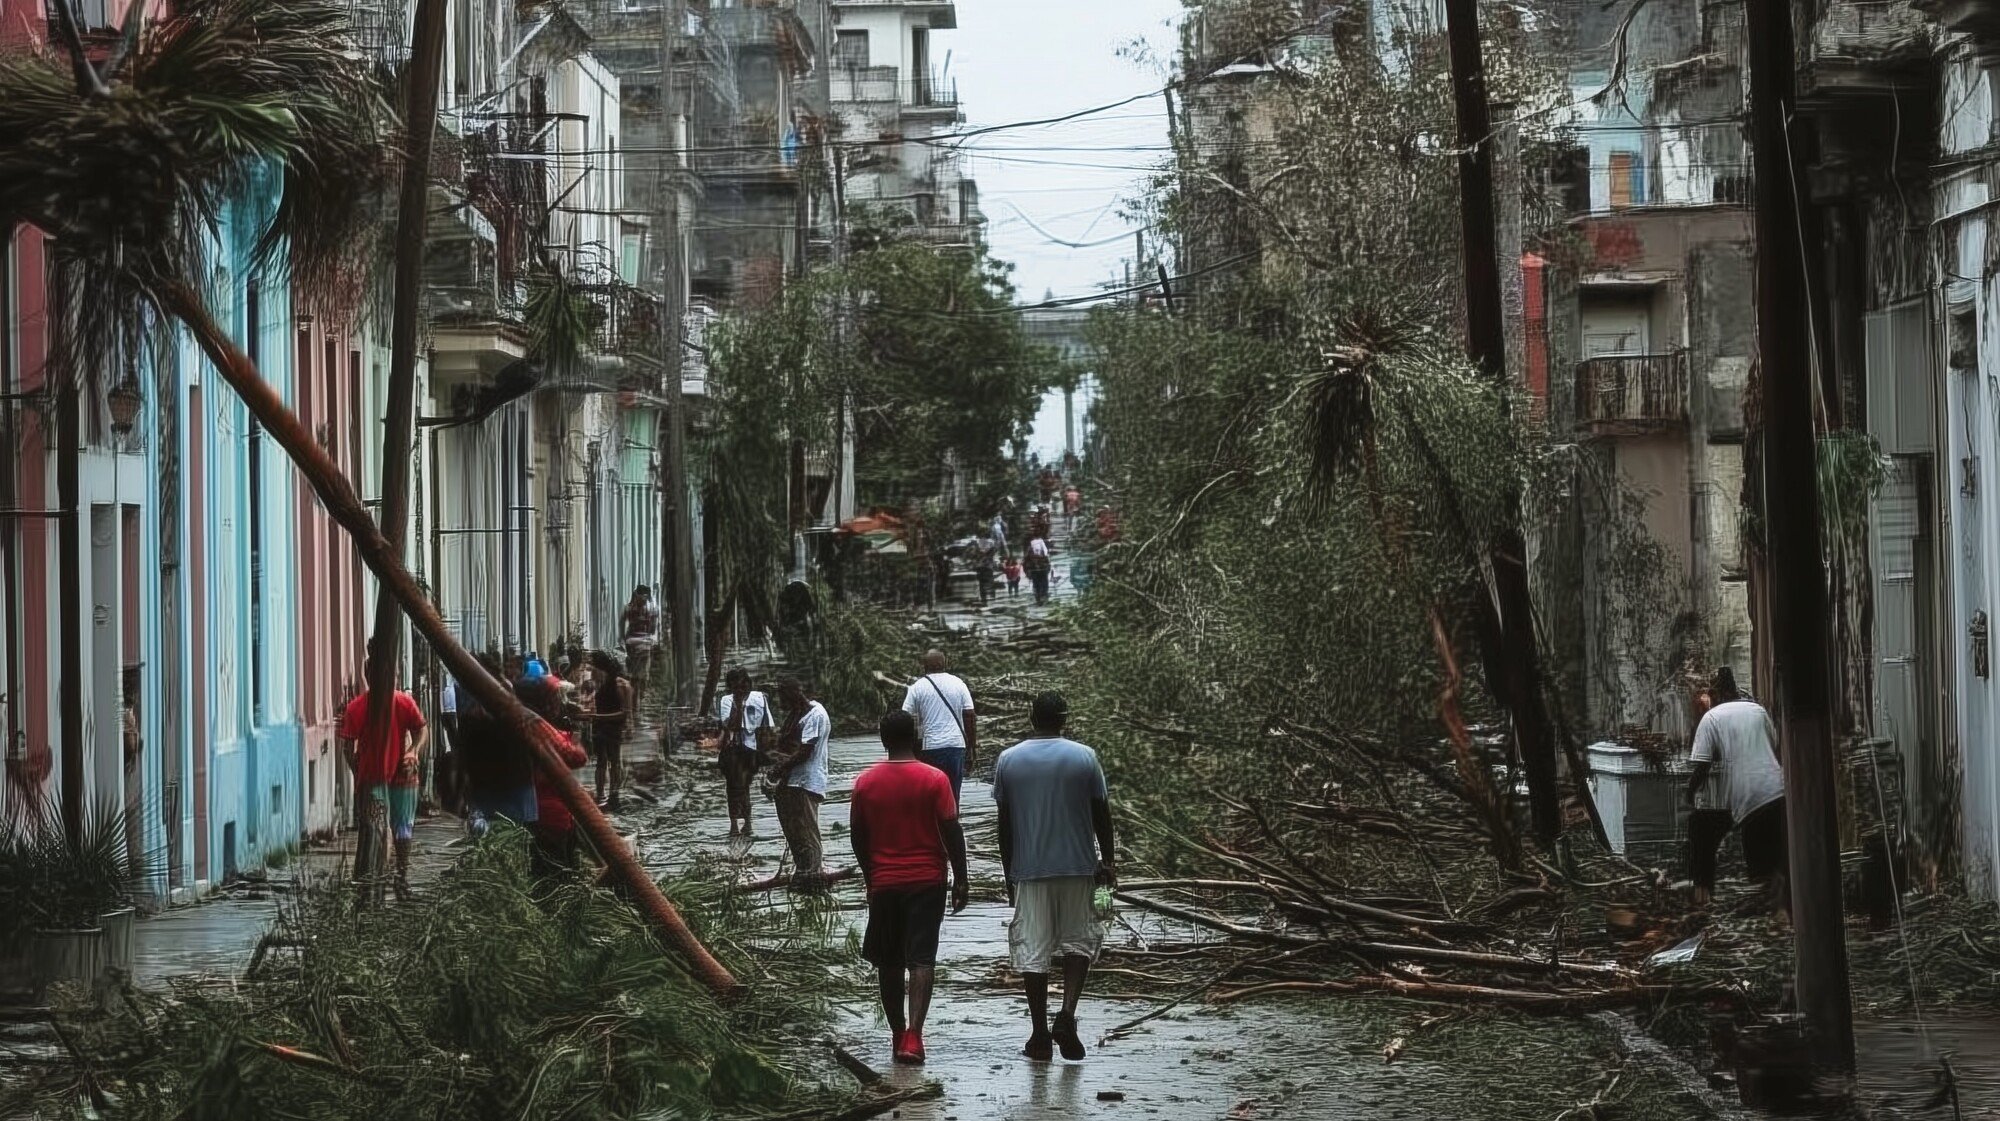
(125, 402)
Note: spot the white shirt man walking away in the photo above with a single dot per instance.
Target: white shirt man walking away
(942, 706)
(1055, 847)
(1737, 741)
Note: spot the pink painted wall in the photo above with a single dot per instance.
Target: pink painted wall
(35, 534)
(332, 633)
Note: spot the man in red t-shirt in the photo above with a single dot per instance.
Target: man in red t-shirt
(386, 777)
(904, 824)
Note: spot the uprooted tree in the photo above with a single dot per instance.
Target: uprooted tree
(130, 160)
(1319, 212)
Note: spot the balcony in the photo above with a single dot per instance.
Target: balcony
(929, 93)
(1631, 394)
(754, 150)
(701, 318)
(1863, 47)
(766, 23)
(1664, 167)
(880, 85)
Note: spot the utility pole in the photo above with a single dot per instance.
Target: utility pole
(1507, 618)
(676, 522)
(1792, 546)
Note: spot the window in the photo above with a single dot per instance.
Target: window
(850, 48)
(1626, 175)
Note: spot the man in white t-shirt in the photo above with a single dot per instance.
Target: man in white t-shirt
(1737, 744)
(943, 708)
(801, 779)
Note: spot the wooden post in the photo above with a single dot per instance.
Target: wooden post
(1792, 543)
(676, 513)
(420, 98)
(1507, 627)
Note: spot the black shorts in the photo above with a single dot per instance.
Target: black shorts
(607, 741)
(903, 927)
(1764, 841)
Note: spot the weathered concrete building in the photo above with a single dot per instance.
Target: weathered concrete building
(1641, 343)
(893, 100)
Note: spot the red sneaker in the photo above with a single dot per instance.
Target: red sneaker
(909, 1047)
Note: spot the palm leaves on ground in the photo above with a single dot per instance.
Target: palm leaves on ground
(502, 996)
(211, 99)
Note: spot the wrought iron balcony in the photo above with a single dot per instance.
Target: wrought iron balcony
(1632, 394)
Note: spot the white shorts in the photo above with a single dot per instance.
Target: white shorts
(1053, 919)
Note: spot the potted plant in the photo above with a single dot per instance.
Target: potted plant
(67, 901)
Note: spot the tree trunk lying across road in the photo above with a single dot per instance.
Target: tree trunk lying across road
(1530, 1000)
(1381, 951)
(185, 304)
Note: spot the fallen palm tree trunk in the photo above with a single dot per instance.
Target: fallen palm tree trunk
(1531, 1000)
(337, 495)
(1527, 999)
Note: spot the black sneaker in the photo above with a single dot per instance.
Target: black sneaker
(1065, 1035)
(1040, 1047)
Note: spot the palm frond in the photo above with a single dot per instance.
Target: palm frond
(134, 183)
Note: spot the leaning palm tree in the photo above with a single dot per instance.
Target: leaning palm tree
(130, 157)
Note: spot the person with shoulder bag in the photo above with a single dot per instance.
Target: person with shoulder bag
(745, 716)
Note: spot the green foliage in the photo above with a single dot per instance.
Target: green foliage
(50, 882)
(850, 643)
(1247, 591)
(922, 342)
(220, 96)
(497, 998)
(939, 366)
(1851, 470)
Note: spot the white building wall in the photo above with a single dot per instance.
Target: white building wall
(1971, 500)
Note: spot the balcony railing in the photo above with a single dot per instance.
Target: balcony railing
(929, 91)
(865, 83)
(1631, 394)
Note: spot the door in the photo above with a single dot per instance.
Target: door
(1620, 328)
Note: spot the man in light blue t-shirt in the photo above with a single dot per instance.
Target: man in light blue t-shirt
(1055, 847)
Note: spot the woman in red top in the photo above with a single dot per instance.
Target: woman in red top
(904, 825)
(554, 828)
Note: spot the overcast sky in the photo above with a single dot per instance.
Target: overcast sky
(1018, 60)
(1022, 60)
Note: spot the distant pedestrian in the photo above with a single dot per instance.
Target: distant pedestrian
(613, 703)
(745, 717)
(800, 777)
(903, 824)
(553, 832)
(1038, 565)
(1055, 848)
(499, 769)
(448, 766)
(985, 562)
(386, 772)
(642, 637)
(1072, 504)
(942, 705)
(999, 528)
(1737, 742)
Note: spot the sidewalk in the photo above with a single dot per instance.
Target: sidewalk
(218, 935)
